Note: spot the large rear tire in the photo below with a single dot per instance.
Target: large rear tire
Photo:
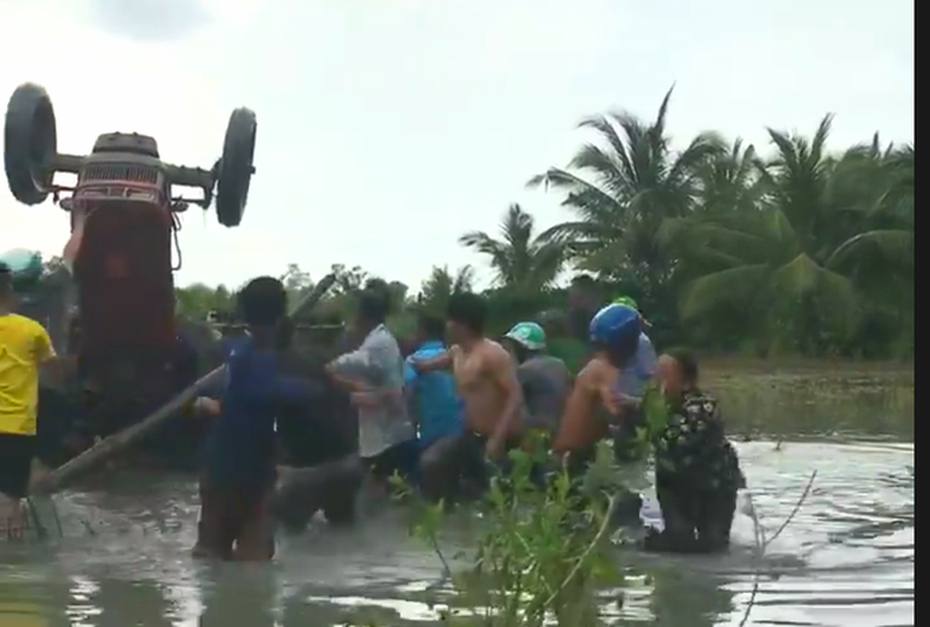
(30, 144)
(235, 170)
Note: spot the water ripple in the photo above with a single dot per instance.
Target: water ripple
(847, 559)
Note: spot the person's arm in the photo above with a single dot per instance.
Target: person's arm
(410, 389)
(298, 391)
(443, 361)
(504, 376)
(57, 368)
(352, 362)
(579, 409)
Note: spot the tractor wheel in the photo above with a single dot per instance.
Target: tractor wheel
(30, 144)
(235, 168)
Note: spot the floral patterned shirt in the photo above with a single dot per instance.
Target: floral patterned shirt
(694, 448)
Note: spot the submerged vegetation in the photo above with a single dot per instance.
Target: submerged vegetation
(798, 248)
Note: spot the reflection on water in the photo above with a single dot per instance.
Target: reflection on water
(847, 559)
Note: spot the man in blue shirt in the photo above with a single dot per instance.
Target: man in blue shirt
(437, 411)
(631, 382)
(634, 377)
(238, 477)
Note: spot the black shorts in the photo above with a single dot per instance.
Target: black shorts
(401, 458)
(16, 453)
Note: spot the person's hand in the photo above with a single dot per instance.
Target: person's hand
(625, 400)
(492, 449)
(366, 398)
(206, 406)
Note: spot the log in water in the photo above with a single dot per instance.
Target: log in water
(108, 447)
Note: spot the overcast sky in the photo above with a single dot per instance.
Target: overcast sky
(389, 127)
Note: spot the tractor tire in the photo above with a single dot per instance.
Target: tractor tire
(30, 144)
(235, 168)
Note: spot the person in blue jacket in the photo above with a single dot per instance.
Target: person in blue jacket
(239, 471)
(631, 382)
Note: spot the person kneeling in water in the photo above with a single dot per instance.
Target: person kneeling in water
(595, 402)
(697, 469)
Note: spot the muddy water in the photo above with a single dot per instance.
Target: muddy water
(847, 558)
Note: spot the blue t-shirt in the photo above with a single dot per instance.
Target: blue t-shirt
(632, 380)
(240, 449)
(436, 405)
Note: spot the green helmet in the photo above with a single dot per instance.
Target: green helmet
(626, 300)
(529, 335)
(629, 302)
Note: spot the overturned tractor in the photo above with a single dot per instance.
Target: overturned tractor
(124, 211)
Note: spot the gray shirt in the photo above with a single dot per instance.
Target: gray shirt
(546, 383)
(378, 364)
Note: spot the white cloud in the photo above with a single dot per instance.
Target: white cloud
(389, 127)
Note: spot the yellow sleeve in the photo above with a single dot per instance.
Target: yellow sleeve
(43, 345)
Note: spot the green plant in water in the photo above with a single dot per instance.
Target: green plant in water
(541, 550)
(653, 411)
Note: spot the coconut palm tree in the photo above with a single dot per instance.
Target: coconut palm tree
(790, 266)
(622, 188)
(523, 262)
(441, 284)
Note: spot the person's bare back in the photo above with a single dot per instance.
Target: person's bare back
(484, 377)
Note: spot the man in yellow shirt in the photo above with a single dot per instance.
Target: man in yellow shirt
(24, 346)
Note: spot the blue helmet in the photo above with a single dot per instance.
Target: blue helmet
(614, 324)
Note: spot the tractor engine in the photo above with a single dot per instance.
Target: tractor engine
(121, 259)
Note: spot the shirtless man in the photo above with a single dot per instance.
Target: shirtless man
(486, 381)
(597, 399)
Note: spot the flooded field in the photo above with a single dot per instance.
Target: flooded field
(846, 559)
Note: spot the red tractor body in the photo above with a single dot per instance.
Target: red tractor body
(123, 222)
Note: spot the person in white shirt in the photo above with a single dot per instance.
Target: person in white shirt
(374, 373)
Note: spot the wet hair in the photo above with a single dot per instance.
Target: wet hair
(374, 304)
(687, 363)
(6, 280)
(432, 327)
(262, 302)
(468, 309)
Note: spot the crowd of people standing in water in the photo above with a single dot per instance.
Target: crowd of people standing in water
(443, 418)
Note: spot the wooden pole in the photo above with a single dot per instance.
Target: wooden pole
(110, 446)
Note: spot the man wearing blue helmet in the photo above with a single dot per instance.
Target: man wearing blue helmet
(614, 333)
(595, 402)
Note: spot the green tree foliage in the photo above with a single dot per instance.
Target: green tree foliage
(196, 301)
(803, 266)
(793, 248)
(522, 261)
(441, 284)
(806, 251)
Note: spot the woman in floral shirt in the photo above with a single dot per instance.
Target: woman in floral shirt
(697, 469)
